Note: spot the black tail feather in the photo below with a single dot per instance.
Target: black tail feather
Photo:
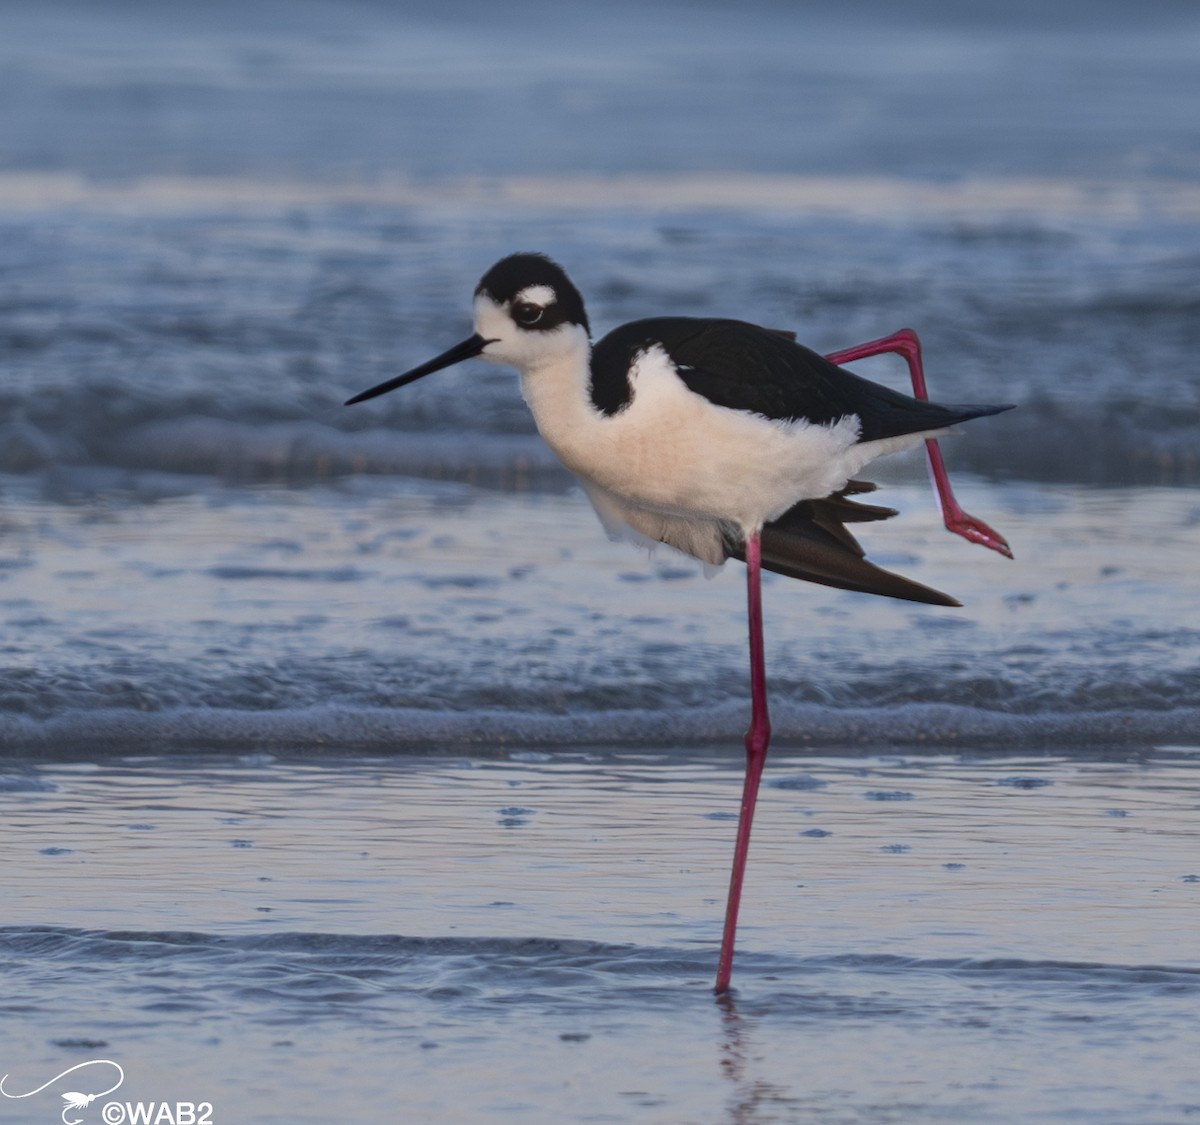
(810, 542)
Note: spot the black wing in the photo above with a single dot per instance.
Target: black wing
(810, 542)
(761, 371)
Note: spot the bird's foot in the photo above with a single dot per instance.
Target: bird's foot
(976, 531)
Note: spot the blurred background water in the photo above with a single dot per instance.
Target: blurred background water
(218, 221)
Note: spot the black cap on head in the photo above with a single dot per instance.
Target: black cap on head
(511, 275)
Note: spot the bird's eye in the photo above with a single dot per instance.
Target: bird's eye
(527, 313)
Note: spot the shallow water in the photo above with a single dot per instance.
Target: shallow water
(391, 614)
(532, 936)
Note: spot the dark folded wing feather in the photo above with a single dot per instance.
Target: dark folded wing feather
(810, 542)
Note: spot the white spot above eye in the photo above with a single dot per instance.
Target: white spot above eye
(541, 295)
(526, 350)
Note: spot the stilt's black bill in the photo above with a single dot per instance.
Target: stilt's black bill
(465, 350)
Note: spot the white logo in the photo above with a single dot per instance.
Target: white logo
(73, 1099)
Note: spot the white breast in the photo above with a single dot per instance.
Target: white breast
(673, 451)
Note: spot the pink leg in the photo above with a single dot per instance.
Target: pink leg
(905, 343)
(757, 739)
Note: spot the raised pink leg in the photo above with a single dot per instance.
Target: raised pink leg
(905, 343)
(757, 739)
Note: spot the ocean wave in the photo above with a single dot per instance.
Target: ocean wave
(1050, 441)
(856, 196)
(224, 341)
(415, 730)
(333, 968)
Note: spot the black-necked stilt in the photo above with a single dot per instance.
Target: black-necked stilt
(721, 439)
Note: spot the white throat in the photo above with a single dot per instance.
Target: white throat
(555, 375)
(558, 390)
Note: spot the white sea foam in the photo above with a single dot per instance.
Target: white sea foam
(853, 196)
